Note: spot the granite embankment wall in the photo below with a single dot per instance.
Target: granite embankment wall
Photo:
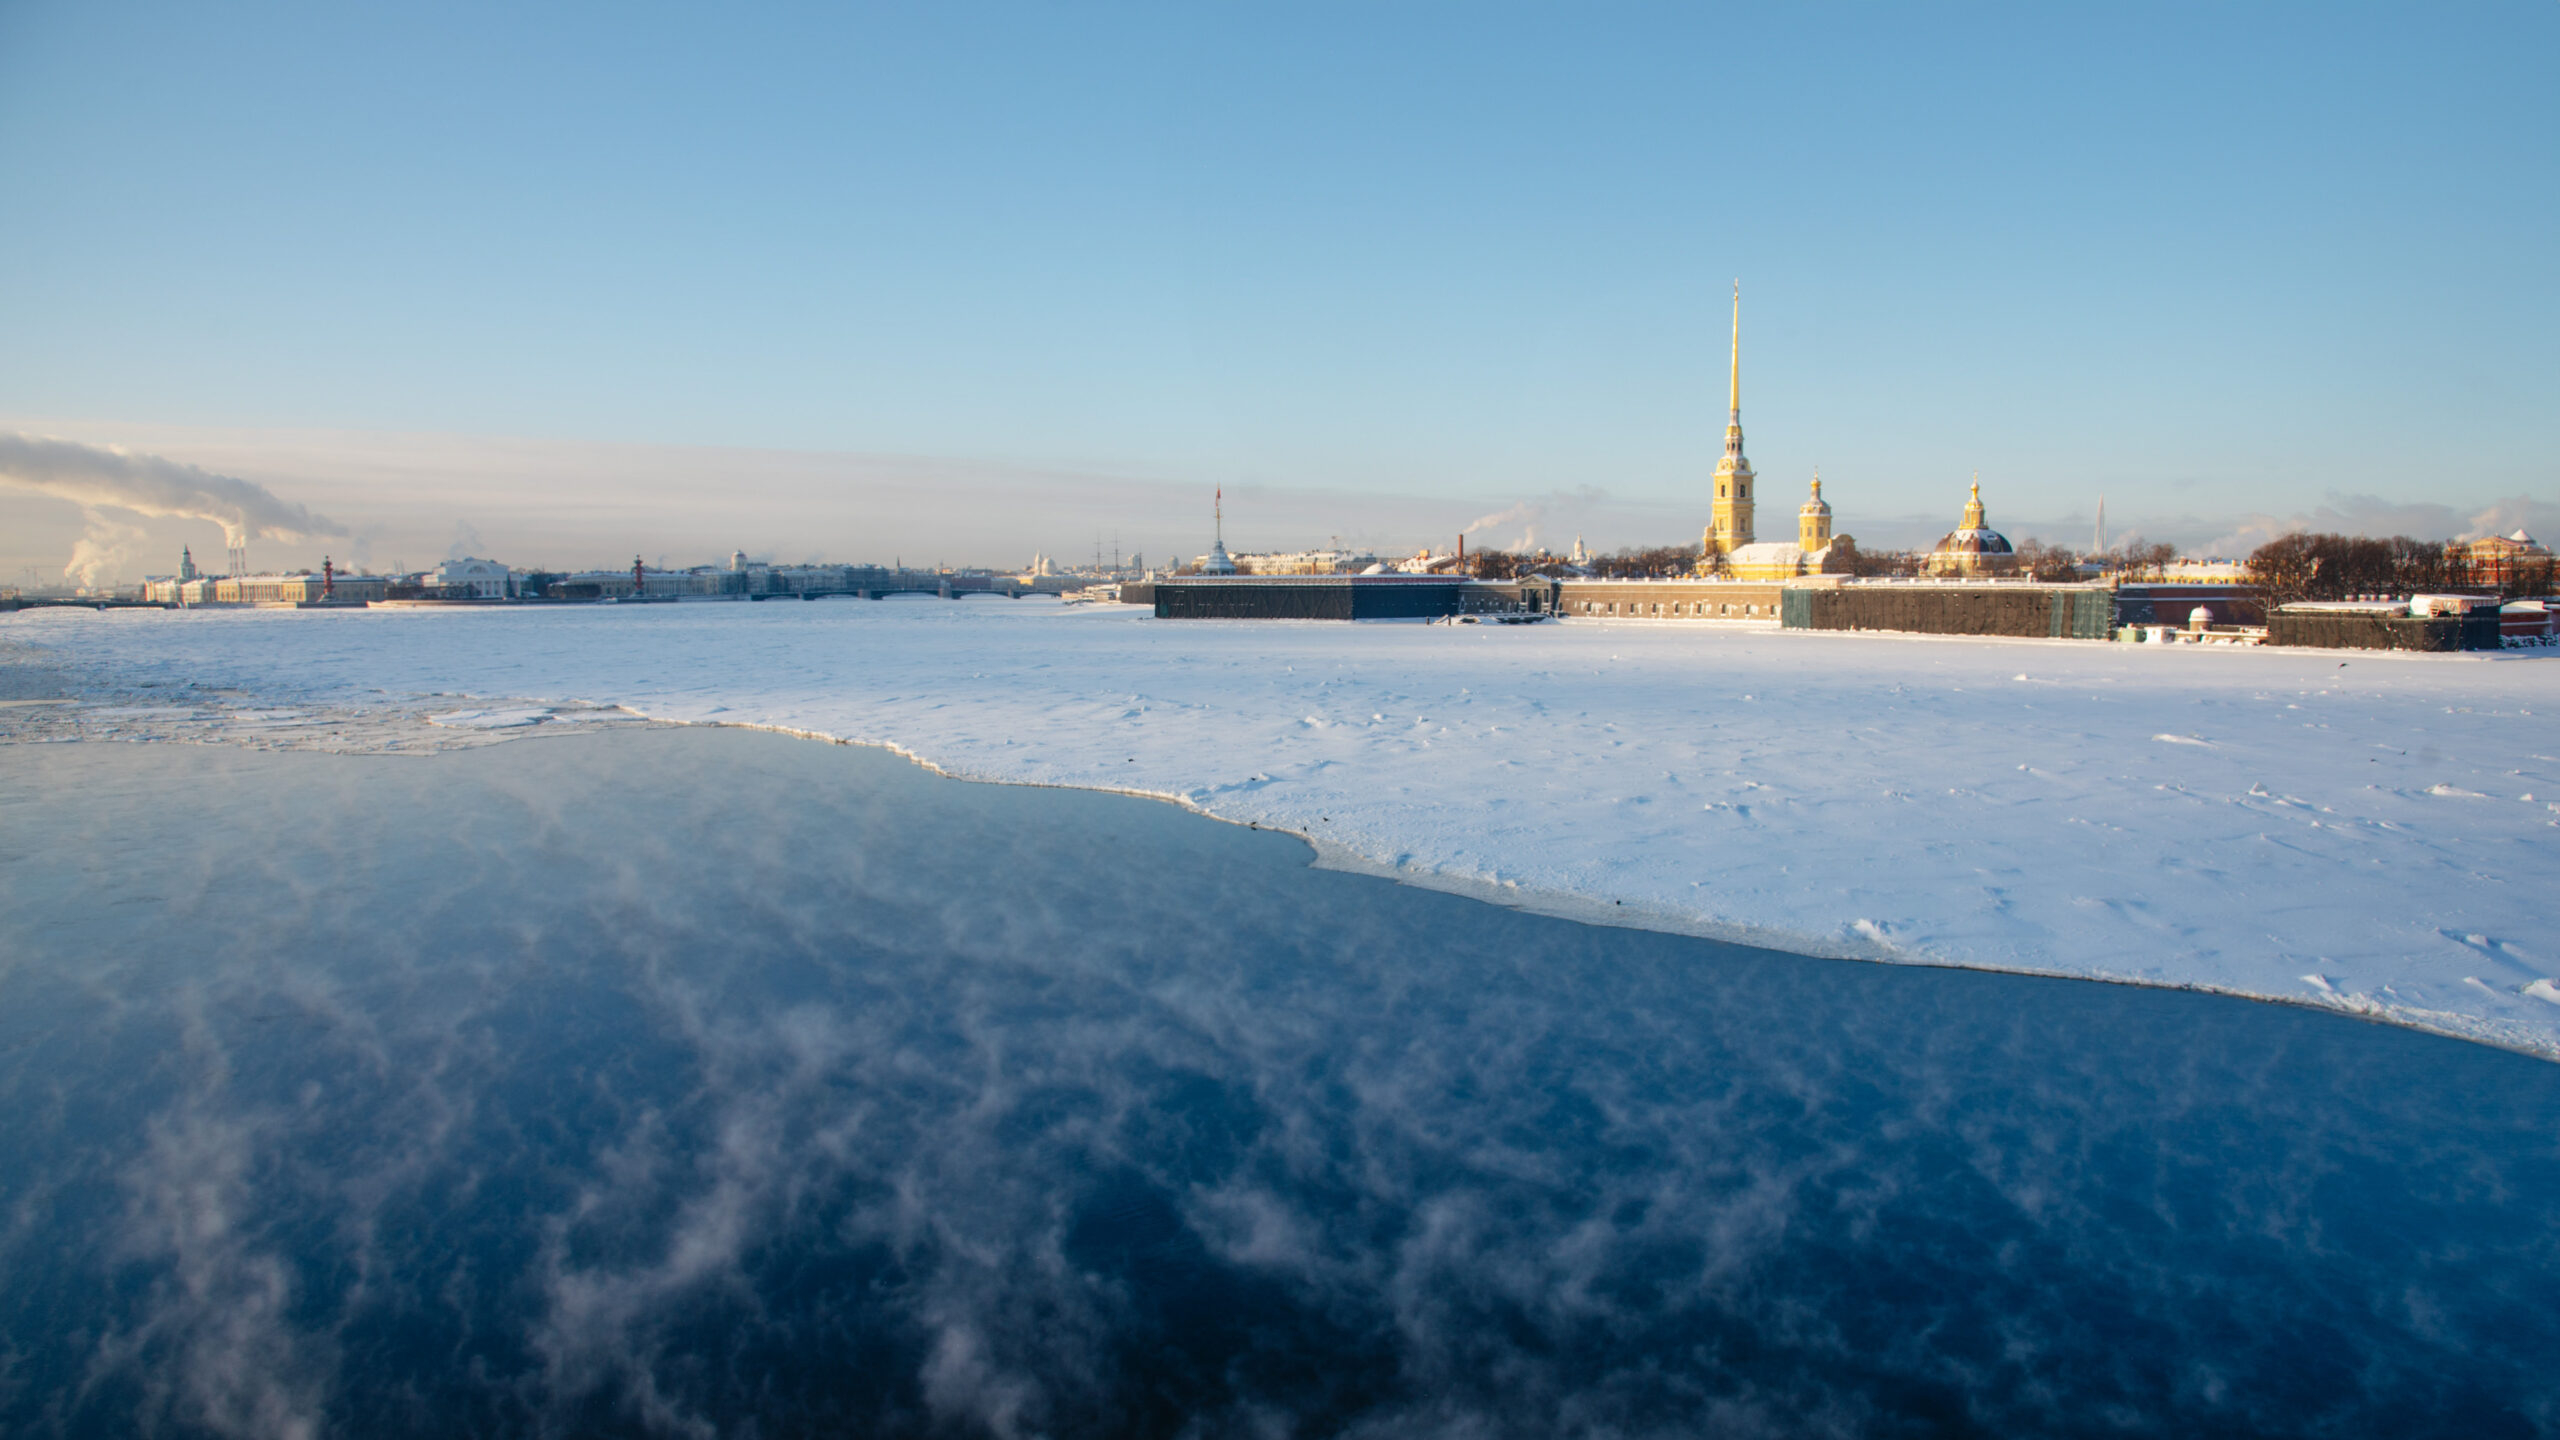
(2060, 612)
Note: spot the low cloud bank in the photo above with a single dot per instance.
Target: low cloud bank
(2372, 515)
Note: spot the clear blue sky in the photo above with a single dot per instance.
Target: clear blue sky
(2211, 261)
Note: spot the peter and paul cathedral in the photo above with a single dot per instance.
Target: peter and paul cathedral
(1730, 548)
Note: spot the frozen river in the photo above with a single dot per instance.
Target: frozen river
(2368, 832)
(694, 1082)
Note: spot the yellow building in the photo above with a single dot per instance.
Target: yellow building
(2498, 559)
(1973, 549)
(1730, 548)
(1730, 529)
(1813, 522)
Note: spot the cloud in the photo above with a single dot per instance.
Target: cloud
(2516, 512)
(100, 478)
(2375, 516)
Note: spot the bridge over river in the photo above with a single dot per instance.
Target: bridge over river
(945, 587)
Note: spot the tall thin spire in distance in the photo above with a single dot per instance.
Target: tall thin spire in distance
(1731, 527)
(1736, 400)
(1220, 512)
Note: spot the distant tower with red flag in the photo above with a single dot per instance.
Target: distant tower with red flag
(1216, 562)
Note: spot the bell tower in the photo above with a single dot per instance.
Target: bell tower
(1813, 522)
(1730, 530)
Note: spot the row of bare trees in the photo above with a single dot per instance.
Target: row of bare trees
(2135, 559)
(1654, 562)
(2335, 567)
(2296, 567)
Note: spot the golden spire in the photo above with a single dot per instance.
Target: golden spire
(1731, 527)
(1817, 482)
(1735, 406)
(1973, 519)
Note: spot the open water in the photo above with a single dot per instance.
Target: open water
(708, 1082)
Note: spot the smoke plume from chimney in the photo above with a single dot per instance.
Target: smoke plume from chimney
(102, 478)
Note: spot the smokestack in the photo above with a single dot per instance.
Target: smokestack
(100, 479)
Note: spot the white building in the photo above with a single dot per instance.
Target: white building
(1305, 562)
(474, 579)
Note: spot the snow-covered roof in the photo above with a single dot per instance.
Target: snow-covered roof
(1974, 542)
(1766, 552)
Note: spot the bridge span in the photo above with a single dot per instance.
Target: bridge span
(942, 587)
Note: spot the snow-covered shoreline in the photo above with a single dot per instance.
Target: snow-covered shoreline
(2366, 832)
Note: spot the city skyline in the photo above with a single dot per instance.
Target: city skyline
(681, 527)
(988, 282)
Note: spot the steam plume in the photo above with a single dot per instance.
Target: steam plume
(99, 478)
(1527, 515)
(105, 551)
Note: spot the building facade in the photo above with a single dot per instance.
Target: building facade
(302, 587)
(473, 579)
(1697, 599)
(2498, 559)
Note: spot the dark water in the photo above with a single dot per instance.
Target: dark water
(715, 1083)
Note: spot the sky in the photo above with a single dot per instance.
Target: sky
(564, 284)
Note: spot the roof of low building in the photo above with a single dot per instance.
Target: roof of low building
(1974, 542)
(1973, 535)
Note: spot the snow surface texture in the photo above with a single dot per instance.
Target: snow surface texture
(2378, 833)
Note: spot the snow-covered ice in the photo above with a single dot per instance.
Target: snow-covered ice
(2379, 833)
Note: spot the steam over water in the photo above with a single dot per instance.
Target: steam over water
(702, 1083)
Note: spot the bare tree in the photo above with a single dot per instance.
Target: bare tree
(1646, 564)
(2138, 559)
(2040, 561)
(2527, 577)
(2332, 567)
(1856, 561)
